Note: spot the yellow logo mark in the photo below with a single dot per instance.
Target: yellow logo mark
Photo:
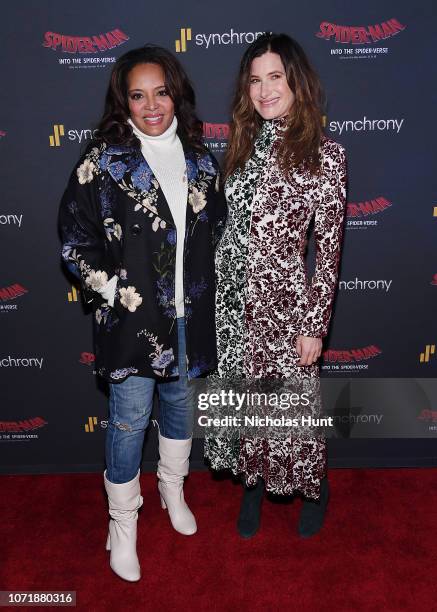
(54, 139)
(435, 211)
(89, 427)
(72, 295)
(181, 45)
(429, 350)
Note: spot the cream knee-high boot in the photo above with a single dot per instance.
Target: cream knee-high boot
(172, 468)
(124, 501)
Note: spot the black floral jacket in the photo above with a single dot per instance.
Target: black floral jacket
(115, 220)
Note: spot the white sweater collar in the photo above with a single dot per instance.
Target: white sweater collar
(166, 139)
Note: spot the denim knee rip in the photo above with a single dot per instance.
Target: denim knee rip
(122, 426)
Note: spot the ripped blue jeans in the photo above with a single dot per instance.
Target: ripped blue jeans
(130, 407)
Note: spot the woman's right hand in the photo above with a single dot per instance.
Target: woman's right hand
(309, 350)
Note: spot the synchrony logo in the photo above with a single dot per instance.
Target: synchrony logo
(366, 125)
(335, 360)
(427, 353)
(84, 46)
(365, 285)
(21, 362)
(55, 138)
(72, 295)
(93, 423)
(231, 37)
(73, 135)
(181, 43)
(10, 293)
(11, 220)
(358, 213)
(368, 38)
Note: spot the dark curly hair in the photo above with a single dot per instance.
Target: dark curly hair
(113, 127)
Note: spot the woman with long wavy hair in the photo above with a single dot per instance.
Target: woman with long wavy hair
(281, 173)
(139, 222)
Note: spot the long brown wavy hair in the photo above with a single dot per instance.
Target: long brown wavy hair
(301, 140)
(113, 127)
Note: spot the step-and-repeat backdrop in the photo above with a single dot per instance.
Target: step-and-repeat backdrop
(377, 64)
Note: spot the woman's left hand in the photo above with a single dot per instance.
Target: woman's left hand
(308, 349)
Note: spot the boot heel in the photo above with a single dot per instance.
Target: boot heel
(108, 542)
(163, 504)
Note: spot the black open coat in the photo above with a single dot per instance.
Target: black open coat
(114, 220)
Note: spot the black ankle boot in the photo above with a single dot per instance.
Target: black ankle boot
(250, 511)
(313, 512)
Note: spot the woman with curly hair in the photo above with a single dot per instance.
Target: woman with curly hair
(281, 173)
(139, 221)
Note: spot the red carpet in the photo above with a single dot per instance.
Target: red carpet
(376, 552)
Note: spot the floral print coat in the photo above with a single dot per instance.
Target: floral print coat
(115, 220)
(264, 299)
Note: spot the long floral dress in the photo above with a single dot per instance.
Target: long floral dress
(264, 300)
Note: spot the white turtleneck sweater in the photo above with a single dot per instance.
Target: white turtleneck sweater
(165, 156)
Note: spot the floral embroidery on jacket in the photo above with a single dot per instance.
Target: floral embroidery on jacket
(122, 373)
(130, 299)
(85, 172)
(202, 174)
(161, 358)
(116, 222)
(112, 229)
